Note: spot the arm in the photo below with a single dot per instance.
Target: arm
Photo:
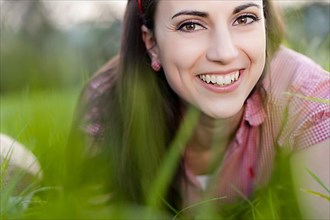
(316, 159)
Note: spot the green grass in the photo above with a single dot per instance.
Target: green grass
(42, 121)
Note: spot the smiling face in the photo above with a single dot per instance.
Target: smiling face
(212, 52)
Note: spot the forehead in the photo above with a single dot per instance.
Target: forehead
(172, 6)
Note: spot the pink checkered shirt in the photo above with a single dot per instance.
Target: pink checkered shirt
(296, 115)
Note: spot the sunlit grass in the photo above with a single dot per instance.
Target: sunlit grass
(42, 123)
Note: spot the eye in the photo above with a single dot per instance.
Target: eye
(246, 19)
(190, 26)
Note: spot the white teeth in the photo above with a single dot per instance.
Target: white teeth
(208, 78)
(220, 80)
(236, 75)
(213, 79)
(227, 79)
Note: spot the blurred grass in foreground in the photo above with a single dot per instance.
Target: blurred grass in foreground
(42, 123)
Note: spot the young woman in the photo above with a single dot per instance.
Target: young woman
(224, 59)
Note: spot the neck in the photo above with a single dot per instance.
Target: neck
(209, 142)
(210, 131)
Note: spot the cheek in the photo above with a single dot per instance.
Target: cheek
(180, 53)
(258, 47)
(254, 46)
(258, 53)
(178, 58)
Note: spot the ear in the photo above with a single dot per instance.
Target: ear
(149, 42)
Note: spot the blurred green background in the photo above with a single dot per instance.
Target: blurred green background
(49, 49)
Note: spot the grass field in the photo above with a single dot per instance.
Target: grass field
(42, 121)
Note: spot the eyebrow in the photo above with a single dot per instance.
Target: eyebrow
(245, 6)
(204, 14)
(194, 13)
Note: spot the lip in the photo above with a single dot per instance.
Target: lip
(222, 89)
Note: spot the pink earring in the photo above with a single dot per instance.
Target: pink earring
(155, 65)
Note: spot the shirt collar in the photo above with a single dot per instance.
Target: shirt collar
(254, 115)
(254, 110)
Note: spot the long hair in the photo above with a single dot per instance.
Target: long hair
(143, 112)
(143, 115)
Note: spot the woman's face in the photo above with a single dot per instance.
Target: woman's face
(212, 52)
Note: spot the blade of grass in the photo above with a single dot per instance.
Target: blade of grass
(317, 179)
(172, 158)
(169, 206)
(308, 98)
(253, 208)
(198, 204)
(271, 203)
(316, 194)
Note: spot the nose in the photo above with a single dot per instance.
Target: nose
(222, 47)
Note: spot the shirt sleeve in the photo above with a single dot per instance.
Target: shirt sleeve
(315, 117)
(307, 114)
(93, 106)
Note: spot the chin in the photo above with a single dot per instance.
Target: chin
(224, 112)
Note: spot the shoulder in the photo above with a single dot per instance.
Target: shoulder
(93, 104)
(290, 71)
(101, 82)
(298, 94)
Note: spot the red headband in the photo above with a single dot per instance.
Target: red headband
(140, 6)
